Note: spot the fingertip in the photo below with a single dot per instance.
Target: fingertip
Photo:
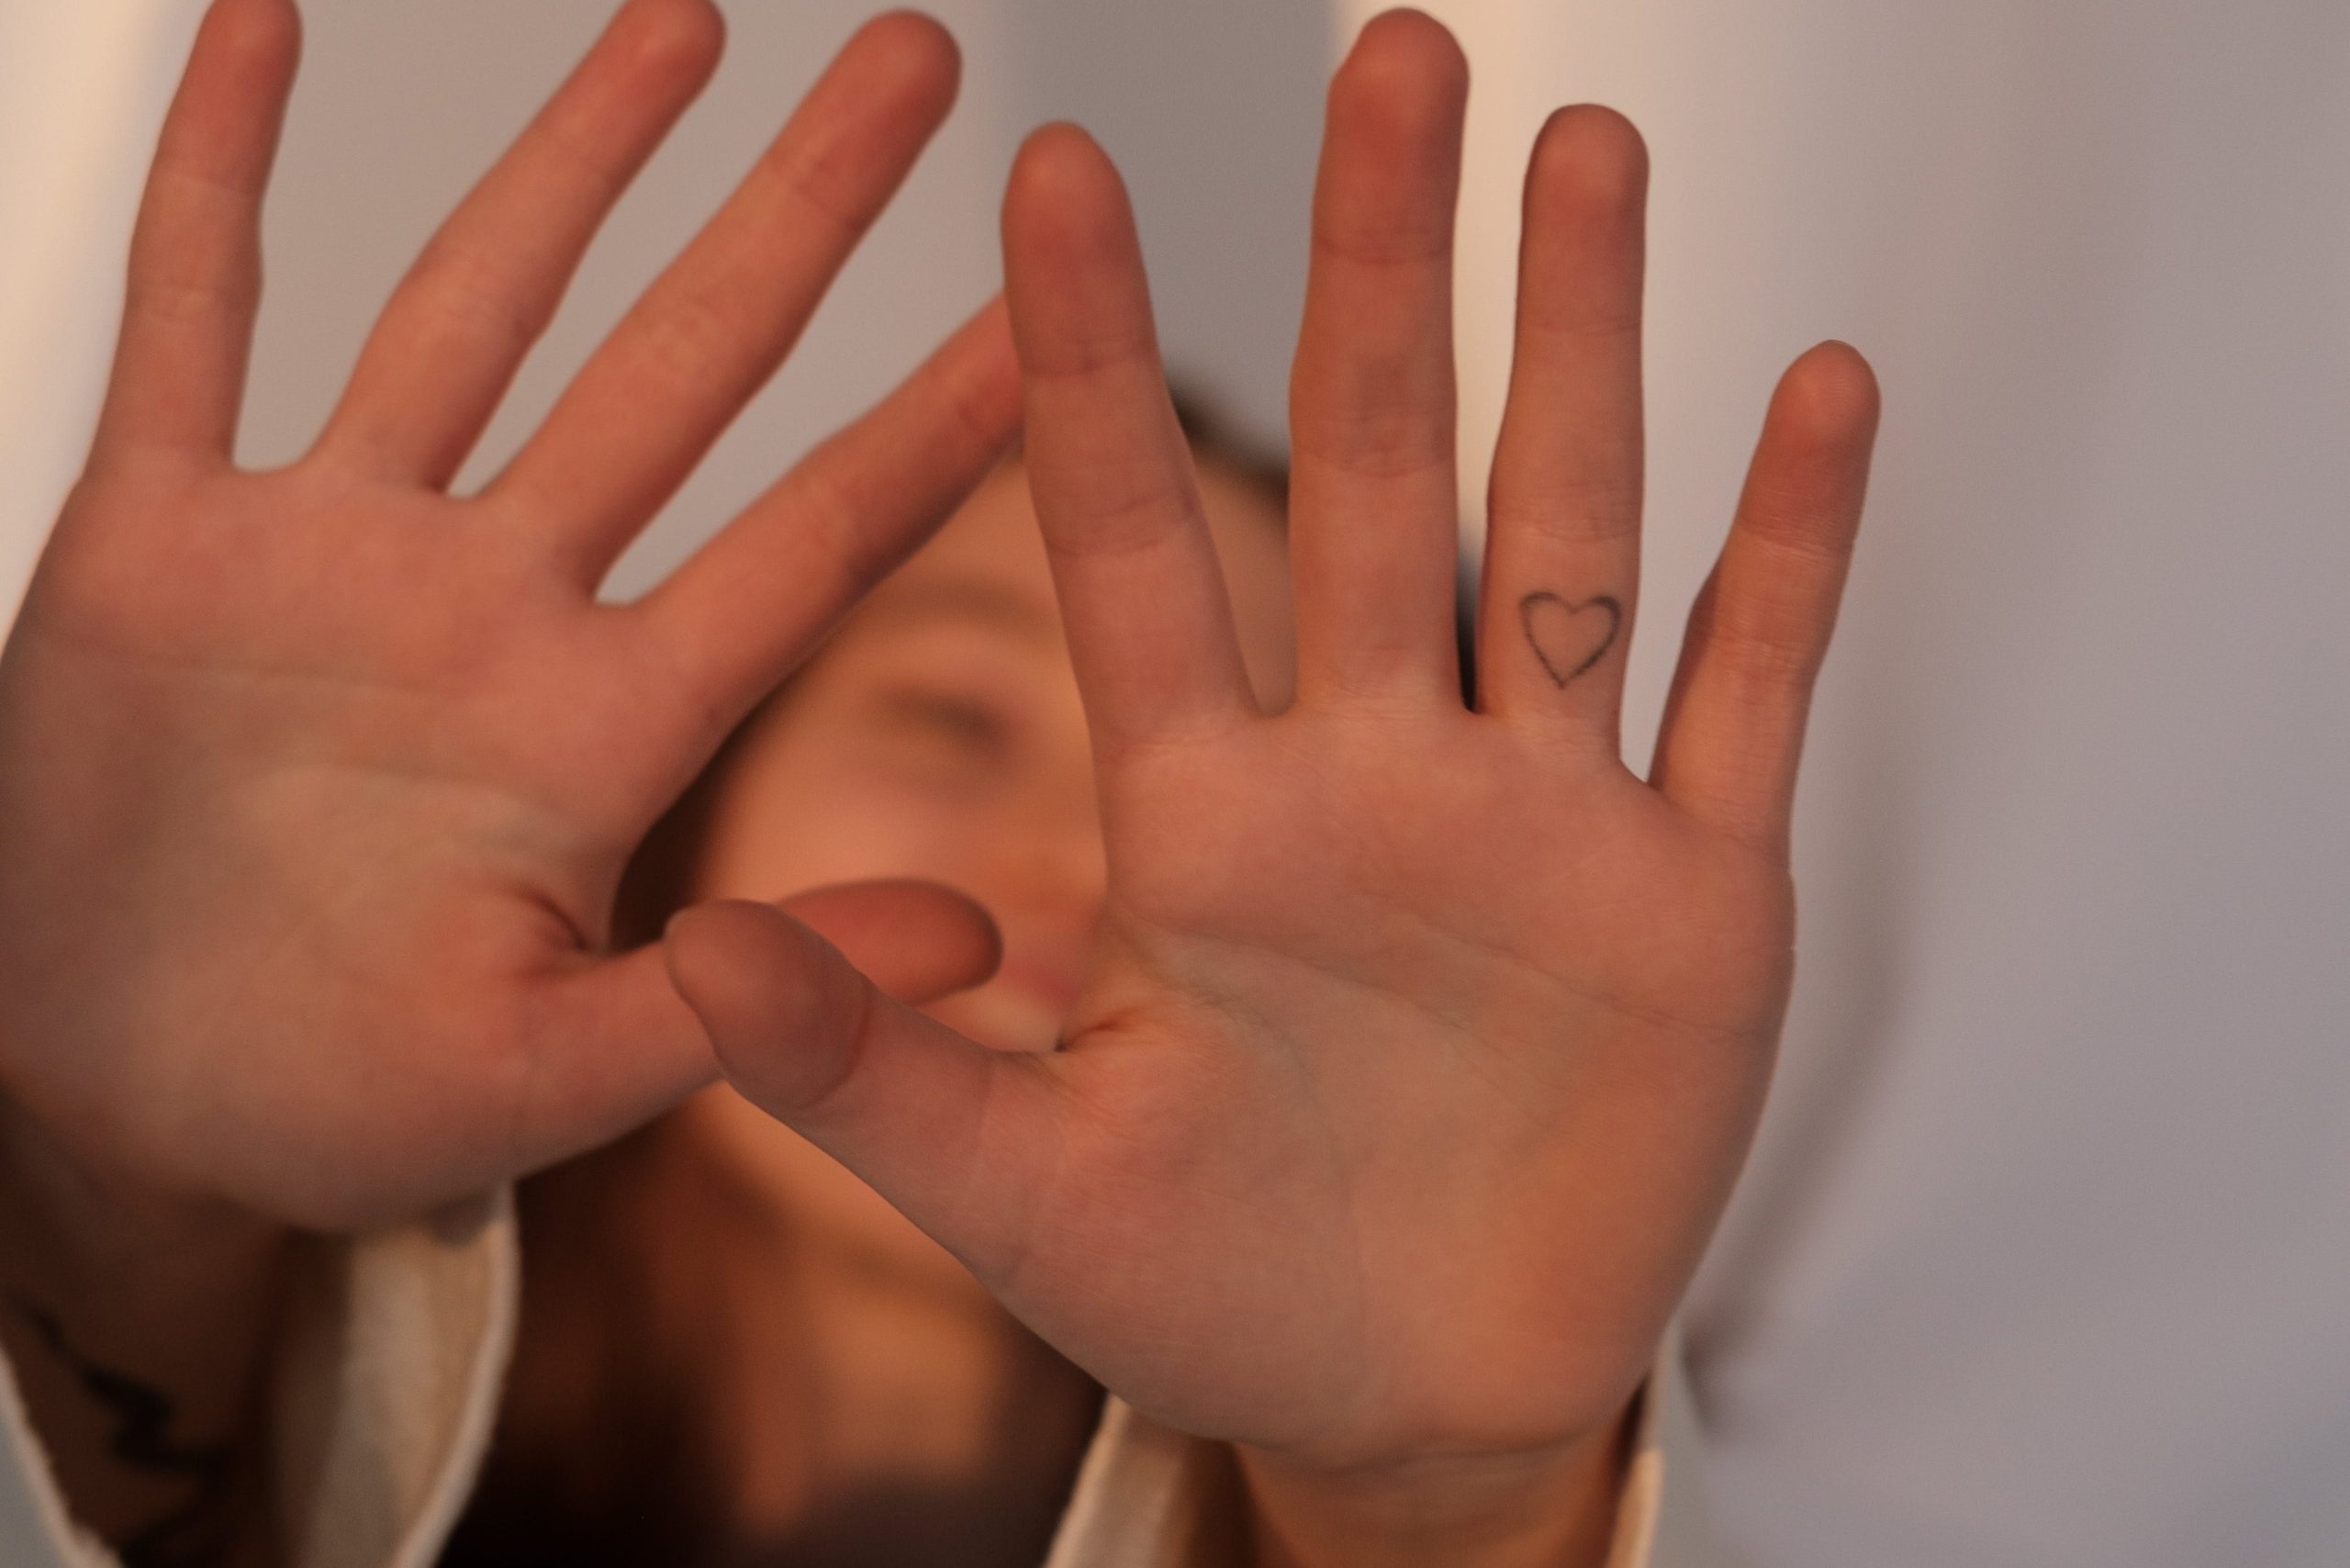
(1060, 138)
(680, 38)
(251, 47)
(1403, 86)
(224, 118)
(916, 47)
(1407, 57)
(703, 940)
(1390, 146)
(1061, 180)
(1067, 223)
(1830, 394)
(780, 1004)
(265, 32)
(1589, 157)
(735, 961)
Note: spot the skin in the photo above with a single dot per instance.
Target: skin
(939, 735)
(1423, 1043)
(1419, 1047)
(316, 784)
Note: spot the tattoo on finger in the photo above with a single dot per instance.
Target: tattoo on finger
(1570, 636)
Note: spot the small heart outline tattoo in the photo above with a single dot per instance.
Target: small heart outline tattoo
(1534, 605)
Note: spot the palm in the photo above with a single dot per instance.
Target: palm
(1406, 1067)
(402, 808)
(319, 783)
(1424, 1043)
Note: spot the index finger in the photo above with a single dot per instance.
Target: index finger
(1143, 600)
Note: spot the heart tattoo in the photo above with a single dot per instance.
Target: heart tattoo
(1569, 638)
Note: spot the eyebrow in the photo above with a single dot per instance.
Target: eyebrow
(965, 599)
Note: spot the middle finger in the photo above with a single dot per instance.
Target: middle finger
(1374, 502)
(714, 325)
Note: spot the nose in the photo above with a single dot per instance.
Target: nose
(1068, 869)
(1049, 882)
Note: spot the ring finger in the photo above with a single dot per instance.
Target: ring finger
(1563, 551)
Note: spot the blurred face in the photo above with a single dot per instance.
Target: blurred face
(939, 735)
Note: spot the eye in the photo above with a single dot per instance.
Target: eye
(964, 724)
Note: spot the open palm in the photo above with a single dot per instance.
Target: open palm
(316, 784)
(1425, 1041)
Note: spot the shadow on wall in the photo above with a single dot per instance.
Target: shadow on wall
(1212, 107)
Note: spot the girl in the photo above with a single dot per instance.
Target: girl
(1418, 1045)
(732, 1350)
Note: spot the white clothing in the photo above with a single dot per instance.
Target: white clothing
(388, 1392)
(387, 1386)
(81, 91)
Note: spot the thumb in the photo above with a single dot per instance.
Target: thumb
(957, 1137)
(622, 1047)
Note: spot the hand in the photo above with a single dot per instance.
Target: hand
(1423, 1043)
(316, 784)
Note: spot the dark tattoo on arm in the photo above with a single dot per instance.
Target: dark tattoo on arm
(1569, 636)
(196, 1534)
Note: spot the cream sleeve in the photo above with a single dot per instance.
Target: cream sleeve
(387, 1383)
(1151, 1497)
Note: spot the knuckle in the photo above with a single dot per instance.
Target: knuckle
(692, 333)
(473, 300)
(1576, 509)
(1383, 438)
(1388, 239)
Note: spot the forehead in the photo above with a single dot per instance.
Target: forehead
(989, 564)
(991, 541)
(985, 569)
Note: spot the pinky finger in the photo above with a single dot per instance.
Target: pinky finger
(1734, 722)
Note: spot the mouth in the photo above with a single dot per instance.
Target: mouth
(1047, 985)
(1022, 1009)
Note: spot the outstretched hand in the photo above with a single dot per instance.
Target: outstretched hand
(1424, 1043)
(316, 784)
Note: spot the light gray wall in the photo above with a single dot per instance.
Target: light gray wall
(82, 88)
(1212, 107)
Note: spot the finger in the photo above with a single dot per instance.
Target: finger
(958, 1137)
(1562, 541)
(1374, 508)
(456, 328)
(620, 1046)
(194, 275)
(714, 325)
(1150, 629)
(744, 609)
(1733, 727)
(916, 941)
